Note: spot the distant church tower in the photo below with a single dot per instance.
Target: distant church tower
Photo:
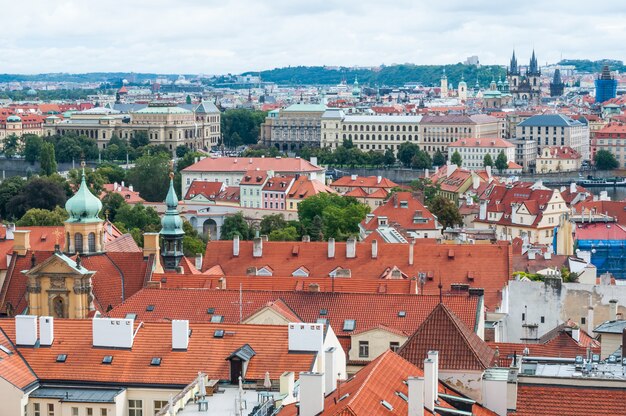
(171, 231)
(524, 87)
(462, 89)
(556, 86)
(444, 85)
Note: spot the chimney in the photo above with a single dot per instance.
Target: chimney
(416, 396)
(351, 248)
(434, 357)
(180, 334)
(21, 241)
(265, 238)
(257, 247)
(576, 333)
(572, 188)
(379, 179)
(26, 330)
(130, 188)
(198, 261)
(430, 384)
(313, 160)
(311, 393)
(482, 210)
(590, 319)
(411, 249)
(112, 333)
(413, 286)
(330, 370)
(287, 384)
(374, 249)
(612, 309)
(475, 181)
(331, 248)
(46, 330)
(450, 170)
(395, 200)
(10, 231)
(488, 169)
(236, 246)
(353, 177)
(306, 238)
(151, 247)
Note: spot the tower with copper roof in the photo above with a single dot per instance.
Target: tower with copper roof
(171, 230)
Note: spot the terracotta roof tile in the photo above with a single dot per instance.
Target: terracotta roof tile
(13, 368)
(209, 190)
(404, 209)
(242, 164)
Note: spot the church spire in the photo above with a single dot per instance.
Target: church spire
(533, 68)
(513, 69)
(172, 229)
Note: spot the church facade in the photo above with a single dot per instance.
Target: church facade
(524, 83)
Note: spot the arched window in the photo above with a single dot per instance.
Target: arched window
(78, 242)
(91, 242)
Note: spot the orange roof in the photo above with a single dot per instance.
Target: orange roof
(364, 182)
(305, 187)
(459, 347)
(153, 339)
(404, 209)
(209, 190)
(243, 164)
(616, 209)
(483, 266)
(561, 152)
(130, 196)
(254, 177)
(13, 368)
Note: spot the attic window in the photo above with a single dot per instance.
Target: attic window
(349, 324)
(155, 361)
(401, 314)
(323, 312)
(322, 321)
(210, 311)
(218, 333)
(5, 350)
(131, 316)
(387, 405)
(108, 359)
(149, 308)
(402, 396)
(345, 396)
(404, 204)
(61, 358)
(216, 319)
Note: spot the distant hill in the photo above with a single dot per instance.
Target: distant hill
(585, 65)
(393, 75)
(104, 77)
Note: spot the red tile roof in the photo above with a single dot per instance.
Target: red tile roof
(560, 400)
(13, 368)
(304, 187)
(242, 164)
(209, 190)
(364, 182)
(616, 209)
(561, 152)
(254, 178)
(600, 231)
(459, 347)
(402, 209)
(153, 339)
(130, 196)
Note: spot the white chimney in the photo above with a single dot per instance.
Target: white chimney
(305, 337)
(416, 396)
(426, 174)
(130, 188)
(198, 261)
(482, 210)
(46, 330)
(10, 230)
(112, 333)
(180, 334)
(514, 213)
(236, 246)
(590, 319)
(612, 309)
(351, 248)
(430, 384)
(331, 248)
(311, 393)
(257, 247)
(572, 187)
(379, 179)
(450, 170)
(434, 356)
(313, 160)
(411, 249)
(330, 372)
(488, 169)
(26, 330)
(374, 249)
(353, 177)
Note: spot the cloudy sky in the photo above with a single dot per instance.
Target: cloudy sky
(220, 36)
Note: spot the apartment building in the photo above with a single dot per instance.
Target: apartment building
(437, 132)
(473, 151)
(555, 130)
(611, 138)
(294, 127)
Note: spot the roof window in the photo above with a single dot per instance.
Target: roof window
(61, 358)
(402, 396)
(349, 324)
(5, 350)
(401, 314)
(387, 405)
(323, 312)
(108, 359)
(216, 319)
(219, 333)
(132, 316)
(210, 311)
(149, 308)
(155, 361)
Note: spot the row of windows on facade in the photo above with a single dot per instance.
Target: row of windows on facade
(380, 137)
(364, 348)
(78, 242)
(538, 129)
(380, 128)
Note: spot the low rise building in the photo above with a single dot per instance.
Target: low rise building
(275, 192)
(558, 159)
(474, 150)
(251, 186)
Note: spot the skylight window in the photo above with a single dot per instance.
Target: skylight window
(401, 314)
(349, 325)
(323, 312)
(61, 358)
(345, 396)
(218, 333)
(108, 359)
(131, 316)
(216, 319)
(322, 321)
(5, 350)
(387, 405)
(402, 396)
(210, 311)
(149, 308)
(155, 361)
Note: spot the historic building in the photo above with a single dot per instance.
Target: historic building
(557, 85)
(473, 151)
(20, 125)
(525, 86)
(293, 127)
(555, 130)
(437, 132)
(606, 86)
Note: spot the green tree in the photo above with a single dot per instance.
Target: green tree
(406, 152)
(187, 160)
(32, 147)
(9, 188)
(487, 160)
(139, 139)
(11, 146)
(138, 216)
(390, 158)
(150, 176)
(456, 159)
(235, 225)
(446, 211)
(188, 99)
(43, 217)
(111, 203)
(272, 222)
(316, 229)
(192, 243)
(501, 162)
(245, 123)
(439, 159)
(45, 193)
(111, 172)
(47, 159)
(425, 186)
(68, 148)
(182, 150)
(347, 143)
(95, 181)
(284, 234)
(605, 160)
(421, 160)
(340, 215)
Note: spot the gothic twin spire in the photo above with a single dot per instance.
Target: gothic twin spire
(533, 67)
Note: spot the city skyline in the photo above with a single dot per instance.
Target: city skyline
(233, 37)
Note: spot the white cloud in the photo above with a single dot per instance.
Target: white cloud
(209, 36)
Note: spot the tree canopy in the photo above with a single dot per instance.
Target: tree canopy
(340, 215)
(150, 176)
(605, 160)
(44, 193)
(43, 217)
(235, 225)
(446, 211)
(240, 126)
(456, 159)
(501, 162)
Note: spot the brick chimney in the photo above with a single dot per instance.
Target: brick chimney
(21, 241)
(151, 246)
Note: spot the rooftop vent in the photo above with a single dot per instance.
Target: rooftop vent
(155, 361)
(61, 358)
(387, 405)
(108, 359)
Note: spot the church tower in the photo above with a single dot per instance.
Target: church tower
(513, 74)
(444, 85)
(556, 86)
(171, 231)
(84, 230)
(534, 75)
(462, 89)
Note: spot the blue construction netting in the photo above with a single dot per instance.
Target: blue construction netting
(607, 256)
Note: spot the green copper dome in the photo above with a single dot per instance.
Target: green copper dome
(83, 206)
(171, 223)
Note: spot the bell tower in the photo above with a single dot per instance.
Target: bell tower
(171, 230)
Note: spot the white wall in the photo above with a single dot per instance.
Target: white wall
(12, 399)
